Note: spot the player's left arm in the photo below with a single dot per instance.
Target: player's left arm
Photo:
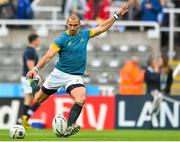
(46, 58)
(43, 61)
(110, 21)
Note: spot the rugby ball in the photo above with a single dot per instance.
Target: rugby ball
(59, 124)
(17, 132)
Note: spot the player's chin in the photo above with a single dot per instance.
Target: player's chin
(73, 32)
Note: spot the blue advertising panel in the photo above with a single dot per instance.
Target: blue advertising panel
(137, 112)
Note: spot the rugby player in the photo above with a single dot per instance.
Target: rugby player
(71, 47)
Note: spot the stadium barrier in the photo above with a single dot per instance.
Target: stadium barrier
(15, 90)
(10, 109)
(10, 90)
(135, 112)
(99, 113)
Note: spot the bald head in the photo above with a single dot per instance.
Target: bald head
(73, 17)
(73, 24)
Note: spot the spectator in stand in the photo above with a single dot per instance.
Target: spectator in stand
(76, 7)
(158, 78)
(63, 6)
(96, 8)
(24, 9)
(177, 5)
(104, 10)
(90, 10)
(2, 4)
(166, 76)
(163, 19)
(152, 75)
(7, 9)
(158, 75)
(131, 78)
(150, 10)
(134, 10)
(98, 11)
(93, 9)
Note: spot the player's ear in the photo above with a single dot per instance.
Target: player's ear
(67, 22)
(79, 22)
(66, 26)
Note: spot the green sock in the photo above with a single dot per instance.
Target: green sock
(35, 87)
(74, 113)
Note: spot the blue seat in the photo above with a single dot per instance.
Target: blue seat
(92, 90)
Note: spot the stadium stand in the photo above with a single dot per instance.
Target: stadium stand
(106, 54)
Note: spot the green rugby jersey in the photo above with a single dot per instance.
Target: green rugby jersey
(72, 51)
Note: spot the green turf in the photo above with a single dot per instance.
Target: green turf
(91, 135)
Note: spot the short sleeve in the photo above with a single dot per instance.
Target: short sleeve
(31, 55)
(57, 44)
(91, 33)
(87, 33)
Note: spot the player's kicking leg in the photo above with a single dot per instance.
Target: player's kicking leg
(79, 95)
(71, 130)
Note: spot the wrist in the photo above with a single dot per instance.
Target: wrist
(36, 69)
(116, 16)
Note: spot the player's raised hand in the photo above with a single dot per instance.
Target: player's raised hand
(31, 74)
(123, 9)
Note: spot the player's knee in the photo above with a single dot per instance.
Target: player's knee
(80, 99)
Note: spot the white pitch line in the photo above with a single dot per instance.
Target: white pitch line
(89, 141)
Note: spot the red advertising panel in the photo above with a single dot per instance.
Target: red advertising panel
(98, 112)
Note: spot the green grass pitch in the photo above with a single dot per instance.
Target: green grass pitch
(92, 135)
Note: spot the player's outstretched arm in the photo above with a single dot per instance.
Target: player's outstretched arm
(110, 21)
(43, 61)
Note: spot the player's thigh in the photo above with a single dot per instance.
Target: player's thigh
(40, 96)
(79, 94)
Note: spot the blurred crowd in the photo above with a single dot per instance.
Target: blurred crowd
(145, 10)
(157, 76)
(16, 9)
(99, 10)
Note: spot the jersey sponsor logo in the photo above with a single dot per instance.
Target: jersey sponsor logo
(69, 43)
(82, 39)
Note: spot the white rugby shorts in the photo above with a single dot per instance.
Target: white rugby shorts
(58, 79)
(25, 84)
